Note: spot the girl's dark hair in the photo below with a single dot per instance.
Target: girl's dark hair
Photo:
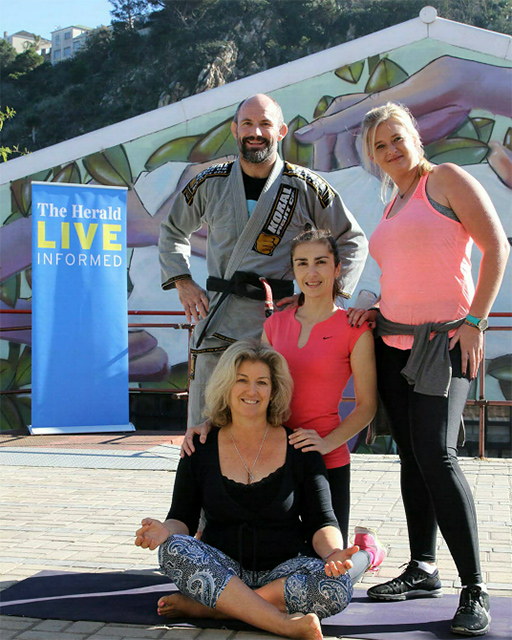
(310, 234)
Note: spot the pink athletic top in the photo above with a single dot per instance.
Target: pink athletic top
(320, 371)
(425, 263)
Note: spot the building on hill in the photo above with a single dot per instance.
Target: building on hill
(22, 40)
(67, 41)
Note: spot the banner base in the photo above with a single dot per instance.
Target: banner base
(108, 428)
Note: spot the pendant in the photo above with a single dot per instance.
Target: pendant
(250, 478)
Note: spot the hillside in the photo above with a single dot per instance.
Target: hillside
(161, 51)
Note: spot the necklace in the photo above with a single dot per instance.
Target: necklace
(250, 476)
(402, 195)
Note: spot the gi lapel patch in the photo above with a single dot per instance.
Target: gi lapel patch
(223, 169)
(321, 187)
(278, 220)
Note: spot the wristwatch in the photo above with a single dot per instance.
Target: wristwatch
(479, 323)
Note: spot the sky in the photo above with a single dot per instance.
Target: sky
(44, 16)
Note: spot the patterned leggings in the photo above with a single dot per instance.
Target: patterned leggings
(202, 572)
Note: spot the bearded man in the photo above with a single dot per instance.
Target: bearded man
(252, 207)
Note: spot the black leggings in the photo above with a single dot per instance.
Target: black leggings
(339, 482)
(434, 489)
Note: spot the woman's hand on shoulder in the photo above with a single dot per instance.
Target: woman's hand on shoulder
(356, 317)
(290, 302)
(339, 562)
(309, 440)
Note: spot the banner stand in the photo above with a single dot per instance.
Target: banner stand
(79, 309)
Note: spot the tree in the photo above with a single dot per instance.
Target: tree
(7, 54)
(128, 11)
(24, 62)
(34, 44)
(5, 152)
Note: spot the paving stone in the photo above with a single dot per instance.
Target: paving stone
(132, 631)
(85, 627)
(224, 634)
(13, 622)
(32, 634)
(182, 633)
(8, 634)
(250, 635)
(51, 625)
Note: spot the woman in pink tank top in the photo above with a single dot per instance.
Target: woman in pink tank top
(323, 352)
(430, 321)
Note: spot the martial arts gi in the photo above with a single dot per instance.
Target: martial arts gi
(260, 243)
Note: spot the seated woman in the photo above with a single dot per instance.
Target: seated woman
(271, 553)
(322, 351)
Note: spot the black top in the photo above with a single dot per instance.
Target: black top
(253, 186)
(259, 525)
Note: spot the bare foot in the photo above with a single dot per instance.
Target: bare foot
(176, 605)
(306, 627)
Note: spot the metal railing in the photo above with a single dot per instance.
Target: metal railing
(162, 325)
(481, 402)
(138, 325)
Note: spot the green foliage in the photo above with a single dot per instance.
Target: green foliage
(24, 62)
(5, 152)
(128, 12)
(159, 49)
(495, 15)
(7, 55)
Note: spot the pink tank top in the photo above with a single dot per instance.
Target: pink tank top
(425, 263)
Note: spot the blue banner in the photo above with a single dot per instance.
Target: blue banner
(79, 309)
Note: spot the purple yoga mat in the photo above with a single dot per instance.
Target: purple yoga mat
(130, 598)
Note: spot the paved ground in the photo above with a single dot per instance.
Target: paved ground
(73, 503)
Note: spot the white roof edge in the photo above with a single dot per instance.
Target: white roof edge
(472, 38)
(267, 81)
(508, 55)
(74, 26)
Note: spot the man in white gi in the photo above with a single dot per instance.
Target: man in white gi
(253, 207)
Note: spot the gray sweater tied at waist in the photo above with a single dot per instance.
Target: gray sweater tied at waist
(428, 367)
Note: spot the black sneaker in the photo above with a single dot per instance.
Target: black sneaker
(472, 617)
(412, 583)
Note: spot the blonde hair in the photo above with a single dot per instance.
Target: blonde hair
(375, 117)
(224, 375)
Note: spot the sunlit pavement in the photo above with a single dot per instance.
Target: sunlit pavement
(73, 503)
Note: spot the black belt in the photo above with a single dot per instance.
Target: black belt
(245, 284)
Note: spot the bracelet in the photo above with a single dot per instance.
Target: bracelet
(331, 554)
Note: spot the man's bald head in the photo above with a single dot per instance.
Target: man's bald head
(264, 101)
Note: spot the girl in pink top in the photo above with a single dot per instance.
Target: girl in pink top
(323, 351)
(422, 245)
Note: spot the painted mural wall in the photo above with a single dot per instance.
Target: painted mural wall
(461, 100)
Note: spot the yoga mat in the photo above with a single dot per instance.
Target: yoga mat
(130, 598)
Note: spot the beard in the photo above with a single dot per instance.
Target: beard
(255, 156)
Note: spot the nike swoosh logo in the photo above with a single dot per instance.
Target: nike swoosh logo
(327, 337)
